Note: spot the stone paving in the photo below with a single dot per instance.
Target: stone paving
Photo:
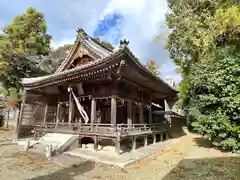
(122, 160)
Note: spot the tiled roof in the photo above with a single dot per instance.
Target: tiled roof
(28, 81)
(103, 54)
(90, 44)
(143, 67)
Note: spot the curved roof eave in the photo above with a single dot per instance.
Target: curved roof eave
(89, 43)
(32, 81)
(142, 67)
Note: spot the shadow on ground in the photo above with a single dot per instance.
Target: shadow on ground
(68, 173)
(201, 142)
(220, 168)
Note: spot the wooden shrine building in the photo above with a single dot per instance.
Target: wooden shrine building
(97, 92)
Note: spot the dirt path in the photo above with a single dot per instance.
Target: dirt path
(188, 158)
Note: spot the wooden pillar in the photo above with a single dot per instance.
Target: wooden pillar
(62, 115)
(80, 142)
(117, 145)
(161, 137)
(150, 115)
(95, 143)
(93, 111)
(145, 140)
(134, 114)
(133, 143)
(113, 111)
(167, 137)
(19, 121)
(129, 114)
(141, 120)
(58, 114)
(45, 114)
(70, 113)
(73, 108)
(154, 138)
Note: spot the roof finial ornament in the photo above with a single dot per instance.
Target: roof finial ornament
(124, 43)
(82, 33)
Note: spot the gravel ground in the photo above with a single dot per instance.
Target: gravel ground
(189, 158)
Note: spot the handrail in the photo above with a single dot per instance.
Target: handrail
(106, 128)
(102, 125)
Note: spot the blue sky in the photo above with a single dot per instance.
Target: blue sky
(109, 27)
(140, 21)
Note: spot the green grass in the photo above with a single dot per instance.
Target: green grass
(222, 168)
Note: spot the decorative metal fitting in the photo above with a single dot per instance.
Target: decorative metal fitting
(124, 43)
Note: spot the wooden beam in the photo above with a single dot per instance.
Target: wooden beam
(129, 113)
(141, 120)
(113, 111)
(93, 111)
(39, 93)
(63, 80)
(139, 85)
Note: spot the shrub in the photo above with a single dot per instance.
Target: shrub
(214, 104)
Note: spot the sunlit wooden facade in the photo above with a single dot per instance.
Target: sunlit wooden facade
(117, 92)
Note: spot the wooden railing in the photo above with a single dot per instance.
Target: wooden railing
(135, 128)
(105, 129)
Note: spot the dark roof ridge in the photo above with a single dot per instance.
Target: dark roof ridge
(92, 45)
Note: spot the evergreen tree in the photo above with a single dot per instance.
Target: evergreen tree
(204, 43)
(25, 36)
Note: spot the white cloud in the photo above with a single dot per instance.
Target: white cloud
(63, 17)
(56, 44)
(142, 17)
(143, 21)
